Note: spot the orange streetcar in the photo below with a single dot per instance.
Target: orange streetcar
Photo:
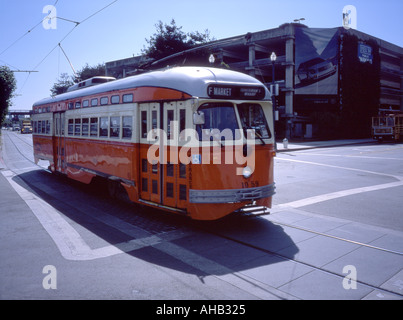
(191, 140)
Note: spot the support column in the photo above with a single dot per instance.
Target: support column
(252, 58)
(289, 79)
(401, 84)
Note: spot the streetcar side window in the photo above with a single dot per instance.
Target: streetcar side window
(127, 123)
(154, 119)
(144, 124)
(78, 105)
(127, 98)
(86, 103)
(94, 102)
(182, 120)
(115, 127)
(115, 99)
(77, 127)
(94, 127)
(70, 127)
(104, 101)
(170, 118)
(47, 129)
(103, 127)
(85, 127)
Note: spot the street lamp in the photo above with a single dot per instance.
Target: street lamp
(273, 58)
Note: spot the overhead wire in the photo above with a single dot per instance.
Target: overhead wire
(40, 22)
(26, 33)
(76, 25)
(58, 44)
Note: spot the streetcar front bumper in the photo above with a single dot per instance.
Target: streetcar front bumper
(231, 195)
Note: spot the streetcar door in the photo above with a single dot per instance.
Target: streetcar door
(174, 173)
(150, 169)
(60, 143)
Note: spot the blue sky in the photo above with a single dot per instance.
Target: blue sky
(120, 30)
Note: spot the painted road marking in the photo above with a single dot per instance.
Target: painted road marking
(335, 195)
(69, 242)
(338, 194)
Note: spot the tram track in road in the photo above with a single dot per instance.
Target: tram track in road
(342, 276)
(341, 239)
(328, 235)
(154, 226)
(12, 137)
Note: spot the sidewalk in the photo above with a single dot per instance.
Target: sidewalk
(305, 145)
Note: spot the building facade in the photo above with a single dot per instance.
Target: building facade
(331, 80)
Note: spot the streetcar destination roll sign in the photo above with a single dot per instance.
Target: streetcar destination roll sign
(220, 91)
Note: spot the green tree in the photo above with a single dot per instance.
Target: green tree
(170, 39)
(89, 71)
(65, 81)
(8, 85)
(62, 84)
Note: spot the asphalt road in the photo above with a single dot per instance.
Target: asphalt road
(362, 183)
(335, 232)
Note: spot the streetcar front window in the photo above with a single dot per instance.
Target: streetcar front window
(252, 117)
(219, 119)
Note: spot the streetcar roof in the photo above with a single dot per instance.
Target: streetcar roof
(190, 80)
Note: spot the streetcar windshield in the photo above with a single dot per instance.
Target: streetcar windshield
(219, 120)
(383, 121)
(252, 117)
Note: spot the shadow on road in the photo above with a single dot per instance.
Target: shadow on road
(198, 252)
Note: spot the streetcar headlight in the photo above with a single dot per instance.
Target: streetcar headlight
(247, 172)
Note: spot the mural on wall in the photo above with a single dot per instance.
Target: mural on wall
(316, 61)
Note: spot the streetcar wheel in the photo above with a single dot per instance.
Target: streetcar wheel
(112, 188)
(117, 191)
